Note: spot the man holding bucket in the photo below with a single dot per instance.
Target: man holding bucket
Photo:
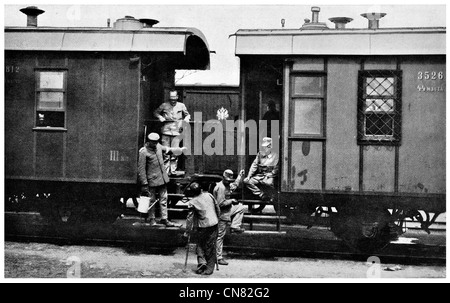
(153, 177)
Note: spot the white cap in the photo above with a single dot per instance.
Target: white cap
(153, 137)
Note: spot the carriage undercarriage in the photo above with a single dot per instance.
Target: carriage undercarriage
(363, 227)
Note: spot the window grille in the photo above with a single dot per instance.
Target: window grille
(379, 107)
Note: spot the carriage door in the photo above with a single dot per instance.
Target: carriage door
(304, 133)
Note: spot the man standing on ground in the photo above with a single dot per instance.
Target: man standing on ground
(231, 211)
(203, 218)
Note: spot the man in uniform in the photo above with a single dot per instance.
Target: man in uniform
(171, 114)
(153, 177)
(263, 171)
(231, 211)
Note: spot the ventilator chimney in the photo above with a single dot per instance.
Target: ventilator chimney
(32, 13)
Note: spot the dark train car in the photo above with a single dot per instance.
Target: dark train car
(362, 121)
(79, 102)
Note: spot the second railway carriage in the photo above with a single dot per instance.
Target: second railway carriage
(362, 121)
(78, 105)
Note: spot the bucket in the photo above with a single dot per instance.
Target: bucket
(144, 204)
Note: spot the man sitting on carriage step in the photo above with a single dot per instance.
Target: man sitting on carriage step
(261, 176)
(153, 177)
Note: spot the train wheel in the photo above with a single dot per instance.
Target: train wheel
(364, 231)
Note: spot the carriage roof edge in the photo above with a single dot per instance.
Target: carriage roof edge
(189, 41)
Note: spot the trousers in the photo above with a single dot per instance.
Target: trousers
(206, 247)
(237, 215)
(170, 161)
(255, 183)
(161, 191)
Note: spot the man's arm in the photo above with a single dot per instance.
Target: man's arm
(157, 113)
(173, 150)
(254, 167)
(187, 116)
(142, 169)
(190, 219)
(275, 165)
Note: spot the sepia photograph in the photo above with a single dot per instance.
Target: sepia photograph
(224, 142)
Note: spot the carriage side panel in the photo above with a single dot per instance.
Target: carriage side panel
(119, 120)
(84, 117)
(422, 153)
(19, 114)
(342, 152)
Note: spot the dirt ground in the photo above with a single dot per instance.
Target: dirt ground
(37, 260)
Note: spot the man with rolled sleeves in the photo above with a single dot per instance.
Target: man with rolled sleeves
(153, 176)
(171, 114)
(263, 171)
(231, 211)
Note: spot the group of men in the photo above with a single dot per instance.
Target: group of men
(210, 214)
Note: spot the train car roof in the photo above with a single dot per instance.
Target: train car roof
(386, 41)
(189, 41)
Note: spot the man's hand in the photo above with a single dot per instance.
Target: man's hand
(145, 191)
(234, 201)
(246, 179)
(161, 119)
(242, 172)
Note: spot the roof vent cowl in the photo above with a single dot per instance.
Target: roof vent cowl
(32, 13)
(374, 19)
(340, 22)
(148, 22)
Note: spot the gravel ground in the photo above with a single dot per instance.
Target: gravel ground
(37, 260)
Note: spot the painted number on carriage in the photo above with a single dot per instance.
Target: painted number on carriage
(11, 69)
(430, 75)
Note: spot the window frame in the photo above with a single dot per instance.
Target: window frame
(396, 115)
(294, 98)
(39, 90)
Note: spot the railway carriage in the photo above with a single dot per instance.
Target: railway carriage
(78, 105)
(362, 122)
(362, 139)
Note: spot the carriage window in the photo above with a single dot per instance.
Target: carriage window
(379, 107)
(307, 93)
(50, 98)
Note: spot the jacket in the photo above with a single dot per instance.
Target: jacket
(151, 170)
(222, 195)
(265, 165)
(204, 212)
(173, 116)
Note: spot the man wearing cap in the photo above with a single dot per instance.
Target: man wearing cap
(153, 176)
(171, 114)
(230, 209)
(263, 171)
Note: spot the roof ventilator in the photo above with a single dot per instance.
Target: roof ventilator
(374, 19)
(32, 13)
(314, 24)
